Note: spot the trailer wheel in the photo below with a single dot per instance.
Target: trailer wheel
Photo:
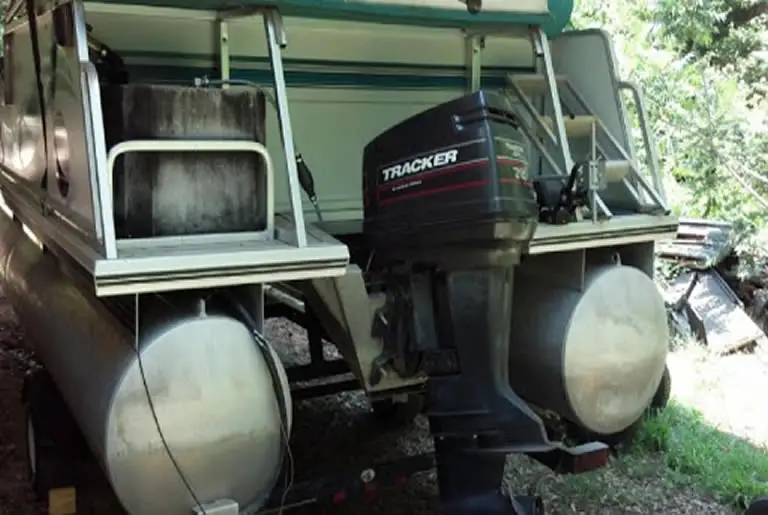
(615, 440)
(758, 507)
(41, 466)
(48, 465)
(398, 412)
(31, 450)
(664, 392)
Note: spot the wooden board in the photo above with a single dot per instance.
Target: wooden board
(700, 244)
(62, 501)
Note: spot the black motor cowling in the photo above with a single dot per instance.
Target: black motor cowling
(450, 181)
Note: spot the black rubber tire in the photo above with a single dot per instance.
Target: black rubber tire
(50, 448)
(35, 464)
(40, 451)
(532, 505)
(758, 507)
(615, 440)
(393, 412)
(663, 393)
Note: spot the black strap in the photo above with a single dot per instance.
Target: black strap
(32, 15)
(61, 180)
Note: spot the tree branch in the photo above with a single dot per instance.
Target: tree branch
(737, 17)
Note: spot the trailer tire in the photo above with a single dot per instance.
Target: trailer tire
(49, 465)
(758, 507)
(394, 412)
(40, 449)
(663, 393)
(35, 469)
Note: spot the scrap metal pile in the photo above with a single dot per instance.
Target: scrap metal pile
(707, 294)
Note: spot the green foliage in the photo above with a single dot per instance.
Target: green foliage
(729, 34)
(698, 65)
(705, 82)
(730, 468)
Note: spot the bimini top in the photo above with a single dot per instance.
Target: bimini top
(552, 15)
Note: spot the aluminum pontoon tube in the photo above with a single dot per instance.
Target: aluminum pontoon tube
(595, 356)
(209, 382)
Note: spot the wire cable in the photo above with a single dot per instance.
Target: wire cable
(151, 404)
(270, 360)
(261, 341)
(280, 393)
(205, 81)
(305, 176)
(291, 471)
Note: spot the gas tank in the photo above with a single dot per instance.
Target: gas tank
(595, 356)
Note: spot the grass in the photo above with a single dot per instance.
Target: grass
(705, 454)
(729, 468)
(678, 463)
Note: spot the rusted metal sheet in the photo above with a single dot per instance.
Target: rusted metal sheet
(727, 326)
(713, 310)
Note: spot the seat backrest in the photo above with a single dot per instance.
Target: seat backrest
(182, 193)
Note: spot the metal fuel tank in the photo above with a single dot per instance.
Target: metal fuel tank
(594, 356)
(210, 385)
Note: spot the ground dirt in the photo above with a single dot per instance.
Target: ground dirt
(341, 431)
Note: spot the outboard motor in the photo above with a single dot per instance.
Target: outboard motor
(450, 207)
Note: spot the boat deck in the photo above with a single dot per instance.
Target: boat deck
(620, 230)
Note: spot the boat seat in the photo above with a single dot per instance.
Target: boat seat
(552, 14)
